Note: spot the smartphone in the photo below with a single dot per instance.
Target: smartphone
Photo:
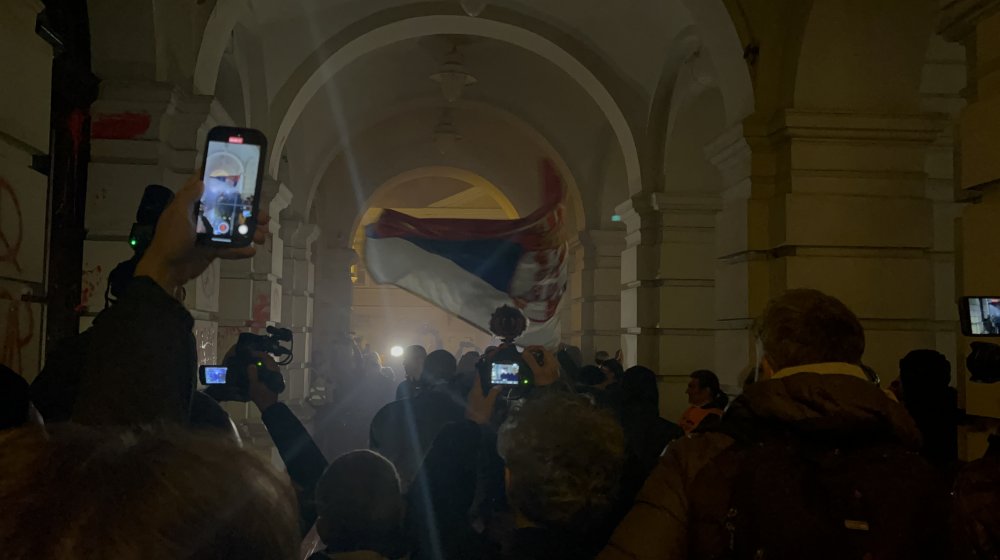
(213, 375)
(980, 315)
(233, 175)
(505, 374)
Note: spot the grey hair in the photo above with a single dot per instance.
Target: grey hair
(565, 457)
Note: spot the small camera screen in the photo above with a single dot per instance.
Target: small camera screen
(230, 181)
(215, 375)
(505, 374)
(984, 316)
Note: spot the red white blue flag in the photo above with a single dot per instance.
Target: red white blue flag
(471, 267)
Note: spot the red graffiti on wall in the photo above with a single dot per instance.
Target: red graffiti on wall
(16, 336)
(261, 311)
(11, 231)
(75, 125)
(120, 126)
(91, 282)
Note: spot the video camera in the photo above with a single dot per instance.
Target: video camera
(230, 381)
(505, 366)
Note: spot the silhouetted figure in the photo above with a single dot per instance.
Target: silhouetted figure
(413, 367)
(924, 377)
(360, 509)
(976, 523)
(403, 430)
(646, 433)
(15, 399)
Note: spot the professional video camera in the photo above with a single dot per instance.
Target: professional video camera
(230, 382)
(505, 366)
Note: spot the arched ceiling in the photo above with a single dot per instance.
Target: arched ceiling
(350, 102)
(516, 89)
(633, 37)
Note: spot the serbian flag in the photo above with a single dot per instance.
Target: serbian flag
(471, 267)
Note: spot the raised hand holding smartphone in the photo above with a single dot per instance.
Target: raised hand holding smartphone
(233, 175)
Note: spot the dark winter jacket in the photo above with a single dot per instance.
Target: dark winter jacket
(137, 364)
(827, 405)
(404, 430)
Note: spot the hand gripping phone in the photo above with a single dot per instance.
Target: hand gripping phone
(233, 175)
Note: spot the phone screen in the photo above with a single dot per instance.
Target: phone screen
(505, 374)
(215, 375)
(983, 315)
(231, 169)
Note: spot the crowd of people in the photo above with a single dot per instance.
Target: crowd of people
(112, 452)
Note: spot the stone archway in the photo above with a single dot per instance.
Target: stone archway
(309, 78)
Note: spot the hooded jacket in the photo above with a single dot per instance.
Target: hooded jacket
(828, 404)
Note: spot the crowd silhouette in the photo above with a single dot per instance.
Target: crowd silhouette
(114, 453)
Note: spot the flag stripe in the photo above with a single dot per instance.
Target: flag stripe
(445, 284)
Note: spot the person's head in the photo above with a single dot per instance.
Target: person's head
(802, 327)
(467, 364)
(575, 354)
(923, 372)
(613, 370)
(601, 357)
(359, 504)
(373, 363)
(439, 367)
(140, 494)
(639, 384)
(207, 414)
(563, 460)
(15, 399)
(413, 361)
(590, 375)
(703, 387)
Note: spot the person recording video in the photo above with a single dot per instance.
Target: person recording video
(137, 364)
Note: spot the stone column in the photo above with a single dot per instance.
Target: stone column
(251, 296)
(976, 25)
(596, 294)
(839, 204)
(332, 319)
(668, 276)
(740, 260)
(297, 303)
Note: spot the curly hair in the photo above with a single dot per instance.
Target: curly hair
(803, 327)
(565, 457)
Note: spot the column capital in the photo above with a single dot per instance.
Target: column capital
(277, 197)
(957, 19)
(921, 128)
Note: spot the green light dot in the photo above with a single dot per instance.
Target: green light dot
(132, 242)
(260, 364)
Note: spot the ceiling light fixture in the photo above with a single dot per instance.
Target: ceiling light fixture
(453, 77)
(445, 133)
(474, 7)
